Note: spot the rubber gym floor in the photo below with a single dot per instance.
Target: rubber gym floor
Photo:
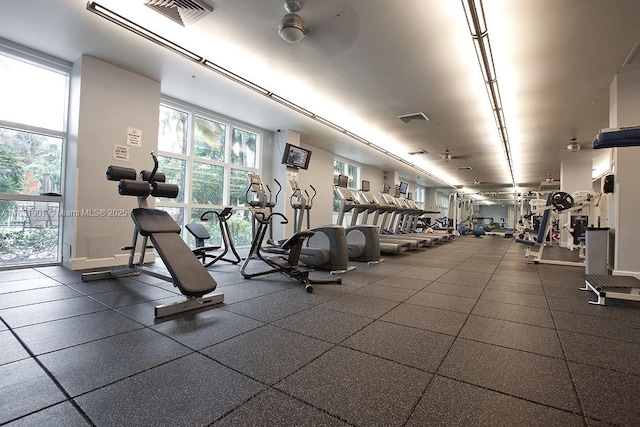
(464, 333)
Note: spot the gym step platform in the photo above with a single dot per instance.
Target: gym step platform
(616, 287)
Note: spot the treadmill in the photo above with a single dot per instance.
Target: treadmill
(349, 202)
(385, 209)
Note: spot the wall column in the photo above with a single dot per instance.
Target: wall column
(624, 110)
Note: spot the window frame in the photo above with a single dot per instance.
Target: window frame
(187, 205)
(64, 68)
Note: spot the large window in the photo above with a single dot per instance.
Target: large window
(208, 158)
(33, 106)
(419, 197)
(444, 205)
(343, 168)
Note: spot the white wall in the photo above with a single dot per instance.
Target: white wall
(105, 102)
(625, 111)
(496, 212)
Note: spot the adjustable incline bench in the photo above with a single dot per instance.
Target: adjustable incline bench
(186, 271)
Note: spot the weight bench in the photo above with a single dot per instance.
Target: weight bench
(628, 136)
(186, 272)
(617, 287)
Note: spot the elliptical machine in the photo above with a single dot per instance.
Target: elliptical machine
(327, 248)
(288, 257)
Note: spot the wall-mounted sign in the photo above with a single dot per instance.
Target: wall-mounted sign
(134, 137)
(121, 152)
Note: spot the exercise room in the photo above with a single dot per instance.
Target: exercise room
(312, 213)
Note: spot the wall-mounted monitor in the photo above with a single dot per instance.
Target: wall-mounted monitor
(403, 187)
(366, 185)
(296, 157)
(343, 181)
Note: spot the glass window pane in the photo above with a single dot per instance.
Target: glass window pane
(209, 139)
(212, 226)
(207, 184)
(172, 132)
(353, 177)
(338, 167)
(32, 95)
(29, 163)
(243, 148)
(238, 188)
(175, 171)
(28, 232)
(240, 227)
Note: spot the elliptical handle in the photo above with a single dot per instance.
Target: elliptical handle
(278, 192)
(155, 166)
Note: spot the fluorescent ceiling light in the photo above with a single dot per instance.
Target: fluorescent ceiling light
(108, 14)
(474, 12)
(232, 76)
(361, 128)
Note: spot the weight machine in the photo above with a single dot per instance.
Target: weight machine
(557, 203)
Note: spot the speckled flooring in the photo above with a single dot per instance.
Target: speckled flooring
(463, 333)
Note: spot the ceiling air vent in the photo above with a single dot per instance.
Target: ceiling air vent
(413, 153)
(464, 168)
(183, 12)
(413, 116)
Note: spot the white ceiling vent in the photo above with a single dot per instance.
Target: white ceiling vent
(406, 118)
(183, 12)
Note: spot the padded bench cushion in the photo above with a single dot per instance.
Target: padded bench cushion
(526, 242)
(194, 279)
(198, 230)
(619, 138)
(150, 221)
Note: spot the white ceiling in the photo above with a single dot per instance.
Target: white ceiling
(365, 62)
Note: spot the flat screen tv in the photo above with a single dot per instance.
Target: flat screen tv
(403, 187)
(366, 185)
(343, 181)
(296, 157)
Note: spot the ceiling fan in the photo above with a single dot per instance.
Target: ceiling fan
(476, 181)
(446, 156)
(575, 146)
